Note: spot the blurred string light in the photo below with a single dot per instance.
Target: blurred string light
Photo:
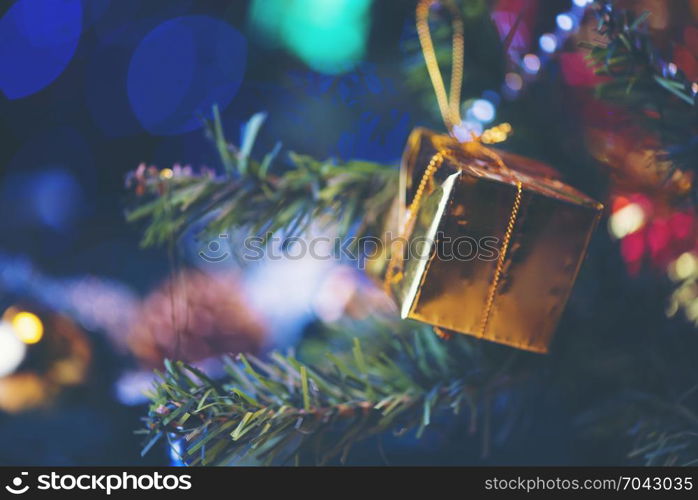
(564, 22)
(12, 350)
(684, 267)
(548, 43)
(626, 220)
(684, 272)
(28, 327)
(37, 41)
(328, 35)
(513, 81)
(483, 110)
(530, 64)
(478, 113)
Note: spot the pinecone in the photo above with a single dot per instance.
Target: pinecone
(193, 316)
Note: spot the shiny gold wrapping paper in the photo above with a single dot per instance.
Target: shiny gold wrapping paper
(473, 197)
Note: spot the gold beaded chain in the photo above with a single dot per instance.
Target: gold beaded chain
(395, 267)
(489, 304)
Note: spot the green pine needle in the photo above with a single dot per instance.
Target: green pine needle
(261, 198)
(279, 408)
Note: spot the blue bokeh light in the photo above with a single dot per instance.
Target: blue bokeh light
(37, 41)
(57, 196)
(181, 69)
(50, 198)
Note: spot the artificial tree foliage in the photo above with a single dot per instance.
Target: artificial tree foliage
(383, 374)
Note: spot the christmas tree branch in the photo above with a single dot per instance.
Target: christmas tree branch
(668, 435)
(280, 409)
(640, 80)
(632, 62)
(661, 432)
(262, 197)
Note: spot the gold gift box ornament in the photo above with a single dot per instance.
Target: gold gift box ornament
(493, 241)
(529, 231)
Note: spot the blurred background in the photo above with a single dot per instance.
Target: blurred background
(90, 89)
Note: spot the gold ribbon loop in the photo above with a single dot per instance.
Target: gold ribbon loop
(448, 105)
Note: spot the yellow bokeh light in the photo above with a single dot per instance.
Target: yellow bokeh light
(28, 327)
(686, 266)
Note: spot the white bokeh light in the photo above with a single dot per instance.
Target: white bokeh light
(627, 220)
(565, 22)
(465, 131)
(483, 110)
(514, 81)
(12, 350)
(531, 63)
(548, 43)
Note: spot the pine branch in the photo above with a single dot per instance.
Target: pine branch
(281, 409)
(630, 58)
(666, 438)
(638, 79)
(660, 432)
(262, 197)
